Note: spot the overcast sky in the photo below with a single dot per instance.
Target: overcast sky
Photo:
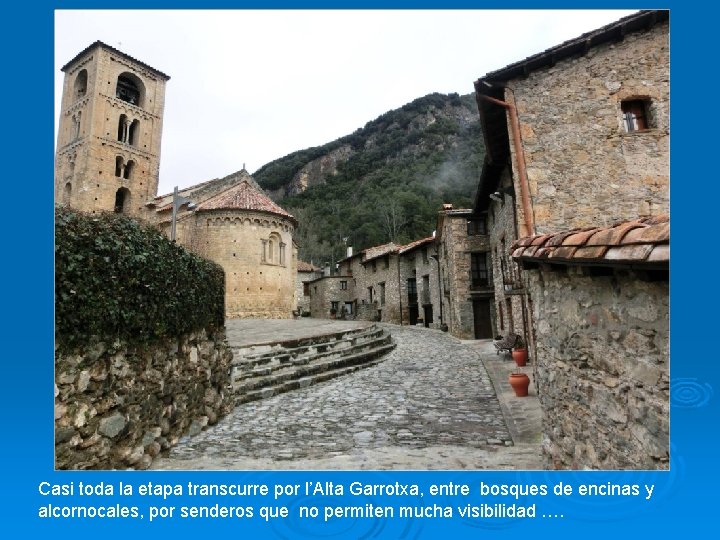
(248, 87)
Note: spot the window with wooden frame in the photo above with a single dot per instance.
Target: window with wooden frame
(635, 115)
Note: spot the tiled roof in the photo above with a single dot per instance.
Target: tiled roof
(415, 244)
(644, 241)
(378, 251)
(243, 196)
(302, 266)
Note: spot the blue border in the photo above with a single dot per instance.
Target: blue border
(682, 503)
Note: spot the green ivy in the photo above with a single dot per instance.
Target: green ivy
(118, 279)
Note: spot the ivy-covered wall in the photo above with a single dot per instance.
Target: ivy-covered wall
(141, 356)
(116, 278)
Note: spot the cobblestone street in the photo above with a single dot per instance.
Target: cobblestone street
(430, 404)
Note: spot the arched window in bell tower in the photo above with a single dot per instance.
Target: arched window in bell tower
(80, 87)
(118, 166)
(67, 192)
(122, 128)
(130, 89)
(133, 132)
(129, 166)
(122, 200)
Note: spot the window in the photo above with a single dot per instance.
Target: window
(334, 306)
(81, 83)
(343, 285)
(128, 169)
(634, 115)
(412, 291)
(129, 89)
(374, 266)
(426, 289)
(282, 254)
(306, 289)
(370, 294)
(67, 193)
(478, 270)
(118, 166)
(122, 200)
(424, 255)
(382, 293)
(477, 226)
(387, 262)
(263, 253)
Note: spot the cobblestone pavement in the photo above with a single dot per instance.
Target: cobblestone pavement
(429, 404)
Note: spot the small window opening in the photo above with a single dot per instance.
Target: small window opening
(127, 90)
(118, 166)
(122, 128)
(67, 192)
(122, 199)
(81, 84)
(343, 285)
(635, 115)
(133, 132)
(127, 174)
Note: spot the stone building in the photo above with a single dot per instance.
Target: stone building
(577, 139)
(390, 283)
(465, 266)
(108, 146)
(602, 343)
(108, 158)
(306, 272)
(575, 136)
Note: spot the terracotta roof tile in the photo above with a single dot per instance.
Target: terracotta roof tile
(378, 251)
(640, 241)
(303, 266)
(243, 196)
(416, 243)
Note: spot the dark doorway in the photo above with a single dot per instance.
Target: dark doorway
(481, 316)
(428, 315)
(413, 309)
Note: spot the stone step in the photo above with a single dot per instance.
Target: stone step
(284, 365)
(329, 371)
(257, 355)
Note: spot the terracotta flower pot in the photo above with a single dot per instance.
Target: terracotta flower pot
(520, 356)
(520, 383)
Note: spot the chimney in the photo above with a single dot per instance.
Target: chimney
(447, 206)
(349, 251)
(326, 271)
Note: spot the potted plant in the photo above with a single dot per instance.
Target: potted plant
(520, 383)
(519, 352)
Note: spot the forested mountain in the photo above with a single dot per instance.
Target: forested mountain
(384, 182)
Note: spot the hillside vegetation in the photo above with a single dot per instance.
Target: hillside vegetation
(384, 182)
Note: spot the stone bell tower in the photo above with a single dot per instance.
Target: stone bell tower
(108, 145)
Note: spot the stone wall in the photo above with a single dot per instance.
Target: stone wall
(583, 169)
(234, 239)
(602, 369)
(117, 407)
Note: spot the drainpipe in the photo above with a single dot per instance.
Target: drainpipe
(529, 224)
(435, 258)
(399, 288)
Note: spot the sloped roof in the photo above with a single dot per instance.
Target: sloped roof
(100, 44)
(243, 196)
(303, 266)
(614, 31)
(416, 244)
(644, 241)
(378, 251)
